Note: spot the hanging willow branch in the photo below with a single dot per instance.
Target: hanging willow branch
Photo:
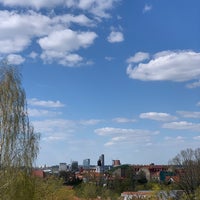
(18, 141)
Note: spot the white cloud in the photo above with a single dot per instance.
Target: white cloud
(90, 122)
(168, 66)
(109, 58)
(115, 140)
(120, 135)
(13, 45)
(33, 55)
(175, 139)
(42, 103)
(158, 116)
(63, 58)
(67, 40)
(58, 128)
(115, 36)
(147, 8)
(37, 4)
(67, 19)
(138, 57)
(58, 46)
(15, 59)
(189, 114)
(193, 85)
(182, 125)
(98, 8)
(196, 137)
(18, 31)
(110, 131)
(42, 113)
(123, 120)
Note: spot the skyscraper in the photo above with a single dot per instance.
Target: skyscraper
(100, 164)
(86, 163)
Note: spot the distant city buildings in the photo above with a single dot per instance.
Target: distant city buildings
(63, 167)
(116, 163)
(100, 164)
(74, 166)
(86, 171)
(86, 163)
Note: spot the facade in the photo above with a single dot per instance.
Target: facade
(100, 164)
(116, 163)
(38, 173)
(86, 163)
(63, 167)
(74, 166)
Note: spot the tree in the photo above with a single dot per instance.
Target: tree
(187, 164)
(18, 141)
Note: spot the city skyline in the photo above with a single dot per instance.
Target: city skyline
(113, 77)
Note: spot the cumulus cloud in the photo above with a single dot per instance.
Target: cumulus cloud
(13, 45)
(176, 66)
(63, 58)
(37, 4)
(157, 116)
(175, 139)
(50, 128)
(33, 55)
(115, 36)
(125, 135)
(67, 40)
(97, 8)
(15, 59)
(18, 29)
(111, 131)
(58, 45)
(57, 41)
(90, 122)
(182, 125)
(193, 85)
(42, 113)
(123, 120)
(138, 57)
(189, 114)
(42, 103)
(68, 19)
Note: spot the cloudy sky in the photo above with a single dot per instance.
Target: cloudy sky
(119, 77)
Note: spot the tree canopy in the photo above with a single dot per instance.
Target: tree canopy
(18, 141)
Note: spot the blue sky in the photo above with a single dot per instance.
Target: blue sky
(119, 77)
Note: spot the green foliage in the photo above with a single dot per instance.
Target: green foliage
(18, 141)
(142, 178)
(92, 191)
(87, 190)
(124, 179)
(20, 187)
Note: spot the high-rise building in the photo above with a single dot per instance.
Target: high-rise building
(74, 166)
(100, 164)
(86, 163)
(63, 167)
(101, 158)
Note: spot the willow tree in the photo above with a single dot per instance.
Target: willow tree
(18, 141)
(188, 162)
